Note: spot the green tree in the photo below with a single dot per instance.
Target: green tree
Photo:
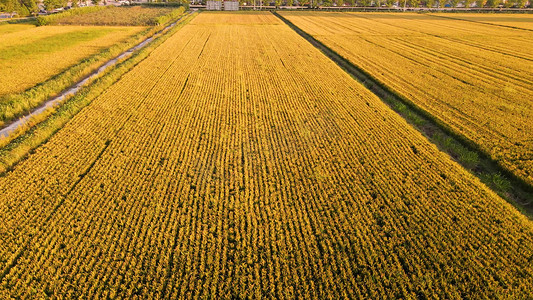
(413, 3)
(7, 6)
(454, 3)
(290, 2)
(493, 3)
(327, 2)
(21, 7)
(53, 4)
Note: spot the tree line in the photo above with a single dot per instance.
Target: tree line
(27, 7)
(21, 7)
(390, 3)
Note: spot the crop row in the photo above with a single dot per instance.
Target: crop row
(228, 164)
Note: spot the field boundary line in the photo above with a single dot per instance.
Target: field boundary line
(496, 177)
(25, 245)
(479, 22)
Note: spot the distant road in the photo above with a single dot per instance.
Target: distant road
(13, 19)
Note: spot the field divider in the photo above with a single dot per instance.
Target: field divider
(469, 155)
(72, 90)
(480, 22)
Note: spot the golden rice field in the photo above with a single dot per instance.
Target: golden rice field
(237, 161)
(475, 78)
(30, 55)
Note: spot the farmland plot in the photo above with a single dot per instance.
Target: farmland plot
(35, 54)
(475, 78)
(39, 62)
(228, 164)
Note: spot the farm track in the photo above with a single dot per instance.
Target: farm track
(521, 193)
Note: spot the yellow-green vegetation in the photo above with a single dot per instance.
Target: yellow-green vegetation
(474, 78)
(53, 18)
(6, 28)
(36, 54)
(228, 164)
(31, 56)
(114, 16)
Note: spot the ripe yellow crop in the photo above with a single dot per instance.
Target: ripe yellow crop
(475, 78)
(238, 161)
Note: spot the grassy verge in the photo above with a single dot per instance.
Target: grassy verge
(510, 187)
(17, 149)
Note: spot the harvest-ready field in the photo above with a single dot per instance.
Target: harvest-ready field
(475, 78)
(239, 161)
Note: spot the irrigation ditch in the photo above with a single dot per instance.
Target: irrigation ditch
(513, 189)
